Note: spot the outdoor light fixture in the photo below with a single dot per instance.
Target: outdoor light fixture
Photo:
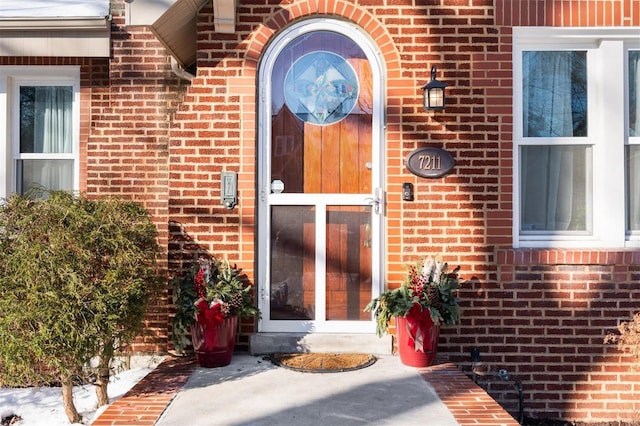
(434, 98)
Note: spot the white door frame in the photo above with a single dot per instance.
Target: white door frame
(266, 199)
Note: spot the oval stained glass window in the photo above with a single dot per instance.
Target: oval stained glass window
(321, 88)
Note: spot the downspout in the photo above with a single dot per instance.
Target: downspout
(180, 72)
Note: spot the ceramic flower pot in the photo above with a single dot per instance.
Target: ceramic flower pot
(214, 341)
(417, 339)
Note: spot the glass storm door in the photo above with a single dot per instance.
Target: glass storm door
(321, 206)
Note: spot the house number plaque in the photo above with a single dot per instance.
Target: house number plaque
(430, 162)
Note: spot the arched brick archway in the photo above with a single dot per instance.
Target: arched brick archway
(341, 9)
(397, 88)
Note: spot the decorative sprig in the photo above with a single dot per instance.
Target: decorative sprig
(427, 284)
(215, 282)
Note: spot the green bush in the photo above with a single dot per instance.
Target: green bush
(75, 278)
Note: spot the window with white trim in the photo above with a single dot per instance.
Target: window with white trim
(39, 107)
(633, 146)
(576, 137)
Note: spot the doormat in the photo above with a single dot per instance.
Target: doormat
(323, 362)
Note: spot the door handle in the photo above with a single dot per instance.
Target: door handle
(377, 201)
(367, 232)
(375, 204)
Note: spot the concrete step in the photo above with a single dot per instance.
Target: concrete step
(266, 343)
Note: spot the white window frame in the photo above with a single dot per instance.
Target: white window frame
(607, 133)
(11, 78)
(633, 236)
(267, 199)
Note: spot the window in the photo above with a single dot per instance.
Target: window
(40, 110)
(633, 147)
(555, 173)
(576, 138)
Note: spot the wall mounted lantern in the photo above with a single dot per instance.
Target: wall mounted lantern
(434, 97)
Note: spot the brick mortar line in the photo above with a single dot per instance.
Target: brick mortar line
(455, 389)
(145, 402)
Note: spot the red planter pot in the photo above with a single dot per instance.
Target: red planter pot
(417, 340)
(214, 342)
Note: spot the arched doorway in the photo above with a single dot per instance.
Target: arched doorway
(320, 179)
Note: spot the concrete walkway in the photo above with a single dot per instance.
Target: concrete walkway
(252, 391)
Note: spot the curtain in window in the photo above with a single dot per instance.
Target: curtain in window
(633, 187)
(53, 123)
(633, 151)
(554, 178)
(547, 94)
(51, 174)
(46, 128)
(634, 93)
(554, 187)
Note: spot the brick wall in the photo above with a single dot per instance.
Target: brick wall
(543, 320)
(146, 98)
(568, 13)
(544, 314)
(132, 100)
(540, 314)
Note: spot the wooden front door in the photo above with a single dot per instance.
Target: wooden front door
(321, 202)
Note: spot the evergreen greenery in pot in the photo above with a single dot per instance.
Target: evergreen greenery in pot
(213, 287)
(427, 286)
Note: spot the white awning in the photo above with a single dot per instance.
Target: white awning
(82, 28)
(55, 28)
(53, 8)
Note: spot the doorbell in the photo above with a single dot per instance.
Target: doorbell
(407, 191)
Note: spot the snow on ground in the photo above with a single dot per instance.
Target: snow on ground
(43, 406)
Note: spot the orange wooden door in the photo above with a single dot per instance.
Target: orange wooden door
(321, 171)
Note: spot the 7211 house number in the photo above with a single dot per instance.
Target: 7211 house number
(430, 162)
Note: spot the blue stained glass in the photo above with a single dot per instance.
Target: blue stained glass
(321, 88)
